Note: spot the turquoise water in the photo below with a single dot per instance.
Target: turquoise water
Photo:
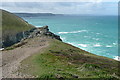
(96, 34)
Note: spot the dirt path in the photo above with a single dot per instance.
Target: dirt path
(11, 58)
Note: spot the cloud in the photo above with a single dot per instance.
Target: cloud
(92, 7)
(60, 1)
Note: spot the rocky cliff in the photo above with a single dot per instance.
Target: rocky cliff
(37, 32)
(12, 25)
(34, 32)
(15, 29)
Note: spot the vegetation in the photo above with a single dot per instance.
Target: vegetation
(11, 26)
(61, 60)
(13, 23)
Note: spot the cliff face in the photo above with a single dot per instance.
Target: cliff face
(34, 32)
(37, 32)
(14, 29)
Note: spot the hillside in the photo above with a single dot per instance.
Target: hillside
(42, 54)
(61, 60)
(34, 14)
(11, 26)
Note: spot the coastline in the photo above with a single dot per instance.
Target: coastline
(117, 58)
(84, 46)
(91, 36)
(40, 53)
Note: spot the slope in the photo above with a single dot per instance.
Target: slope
(11, 26)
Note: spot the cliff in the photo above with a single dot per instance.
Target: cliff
(14, 29)
(11, 27)
(39, 32)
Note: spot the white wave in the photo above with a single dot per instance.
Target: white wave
(97, 33)
(108, 46)
(71, 43)
(72, 32)
(39, 26)
(117, 58)
(83, 45)
(63, 38)
(114, 43)
(96, 39)
(97, 45)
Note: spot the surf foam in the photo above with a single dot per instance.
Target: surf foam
(117, 58)
(72, 32)
(83, 45)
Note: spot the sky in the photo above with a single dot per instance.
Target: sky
(98, 7)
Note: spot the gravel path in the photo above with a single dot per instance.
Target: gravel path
(11, 58)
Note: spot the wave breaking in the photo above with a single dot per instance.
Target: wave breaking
(72, 32)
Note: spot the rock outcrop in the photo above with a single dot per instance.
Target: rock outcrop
(34, 32)
(39, 32)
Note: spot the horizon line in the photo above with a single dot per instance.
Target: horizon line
(60, 13)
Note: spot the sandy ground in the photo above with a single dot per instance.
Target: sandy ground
(11, 58)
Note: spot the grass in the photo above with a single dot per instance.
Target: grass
(10, 22)
(11, 26)
(61, 60)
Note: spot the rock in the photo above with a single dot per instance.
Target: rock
(59, 69)
(35, 32)
(74, 76)
(45, 27)
(59, 76)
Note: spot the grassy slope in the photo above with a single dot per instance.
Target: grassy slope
(63, 60)
(12, 24)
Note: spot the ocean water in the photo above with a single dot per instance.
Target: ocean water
(95, 34)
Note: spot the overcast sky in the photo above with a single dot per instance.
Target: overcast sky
(95, 8)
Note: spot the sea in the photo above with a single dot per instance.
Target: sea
(95, 34)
